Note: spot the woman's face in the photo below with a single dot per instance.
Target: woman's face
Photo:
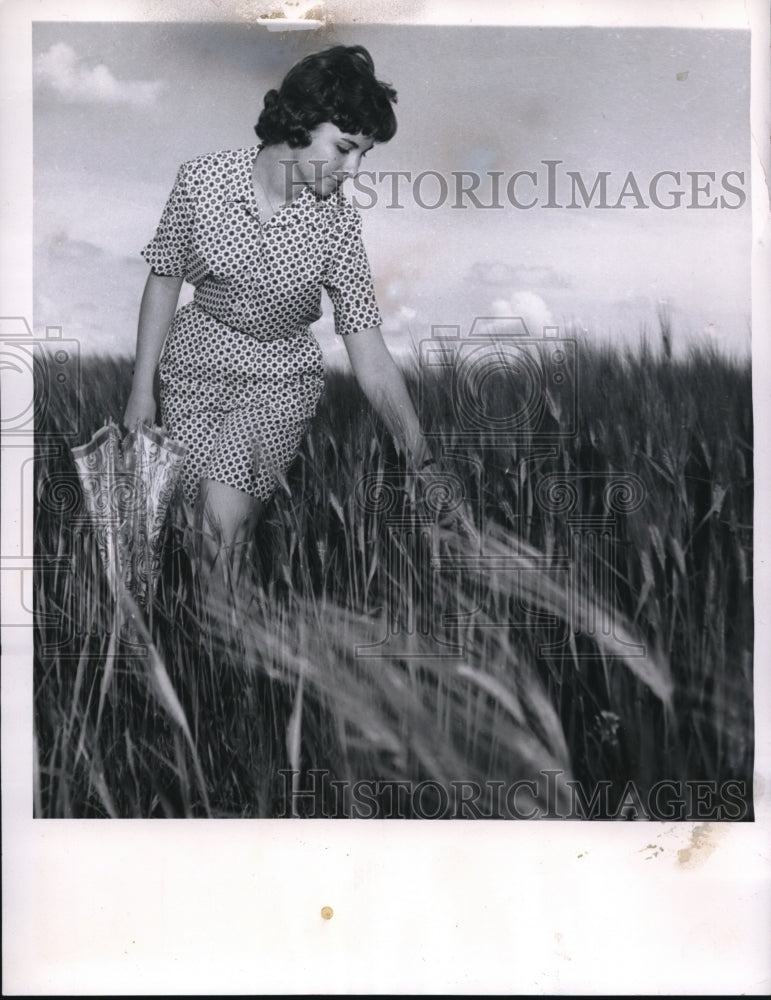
(331, 157)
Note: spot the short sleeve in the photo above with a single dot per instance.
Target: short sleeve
(348, 280)
(169, 250)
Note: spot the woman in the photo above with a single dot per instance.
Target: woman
(259, 232)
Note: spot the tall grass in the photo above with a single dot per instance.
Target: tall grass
(625, 657)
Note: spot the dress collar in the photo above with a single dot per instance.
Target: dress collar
(306, 206)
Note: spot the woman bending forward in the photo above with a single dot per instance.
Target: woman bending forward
(259, 232)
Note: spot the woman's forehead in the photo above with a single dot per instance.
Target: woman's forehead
(357, 139)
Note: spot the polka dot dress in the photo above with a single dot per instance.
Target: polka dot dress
(241, 372)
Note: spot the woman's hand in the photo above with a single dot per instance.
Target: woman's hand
(141, 408)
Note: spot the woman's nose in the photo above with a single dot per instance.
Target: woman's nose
(351, 163)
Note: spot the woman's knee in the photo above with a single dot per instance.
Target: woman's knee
(228, 514)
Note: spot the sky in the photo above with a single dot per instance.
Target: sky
(118, 106)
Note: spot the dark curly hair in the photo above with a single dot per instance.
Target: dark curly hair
(337, 85)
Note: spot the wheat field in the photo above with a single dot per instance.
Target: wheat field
(571, 605)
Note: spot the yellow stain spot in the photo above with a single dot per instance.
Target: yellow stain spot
(327, 912)
(704, 839)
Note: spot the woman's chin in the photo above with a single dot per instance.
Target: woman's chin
(327, 187)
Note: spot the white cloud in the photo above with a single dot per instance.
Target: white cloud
(91, 293)
(528, 307)
(61, 69)
(500, 307)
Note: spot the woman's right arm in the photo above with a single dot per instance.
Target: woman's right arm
(159, 303)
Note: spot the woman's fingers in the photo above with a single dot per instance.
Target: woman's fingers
(140, 409)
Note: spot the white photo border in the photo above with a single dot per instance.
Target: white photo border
(234, 906)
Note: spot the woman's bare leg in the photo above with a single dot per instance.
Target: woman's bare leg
(225, 521)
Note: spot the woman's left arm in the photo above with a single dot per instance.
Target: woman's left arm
(384, 386)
